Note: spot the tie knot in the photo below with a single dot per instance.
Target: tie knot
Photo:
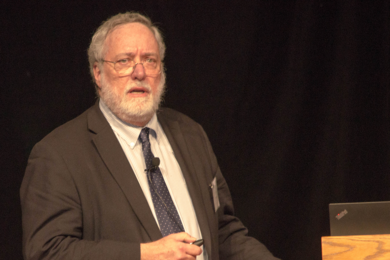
(144, 135)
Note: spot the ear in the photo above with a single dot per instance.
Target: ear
(97, 74)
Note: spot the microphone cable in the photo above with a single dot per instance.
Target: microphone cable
(155, 164)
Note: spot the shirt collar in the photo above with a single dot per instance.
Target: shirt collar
(128, 132)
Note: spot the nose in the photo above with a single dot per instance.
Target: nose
(138, 72)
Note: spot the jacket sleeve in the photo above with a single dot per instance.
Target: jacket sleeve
(52, 216)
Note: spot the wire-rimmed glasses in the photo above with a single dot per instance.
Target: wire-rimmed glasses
(126, 66)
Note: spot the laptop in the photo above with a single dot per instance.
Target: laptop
(359, 218)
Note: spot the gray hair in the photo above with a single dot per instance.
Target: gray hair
(96, 48)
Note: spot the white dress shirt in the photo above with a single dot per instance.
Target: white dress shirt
(127, 135)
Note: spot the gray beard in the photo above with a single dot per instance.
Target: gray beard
(136, 109)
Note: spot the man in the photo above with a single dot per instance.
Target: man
(93, 188)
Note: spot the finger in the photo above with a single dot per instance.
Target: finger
(189, 239)
(183, 237)
(193, 250)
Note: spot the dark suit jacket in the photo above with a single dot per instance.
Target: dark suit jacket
(81, 199)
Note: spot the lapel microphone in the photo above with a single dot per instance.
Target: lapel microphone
(155, 164)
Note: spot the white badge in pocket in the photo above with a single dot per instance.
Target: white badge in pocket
(214, 188)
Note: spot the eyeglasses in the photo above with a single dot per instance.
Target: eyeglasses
(126, 66)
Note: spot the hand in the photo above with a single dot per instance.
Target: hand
(175, 246)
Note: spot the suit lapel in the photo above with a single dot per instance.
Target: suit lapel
(113, 156)
(177, 141)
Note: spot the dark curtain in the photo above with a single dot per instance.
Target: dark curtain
(294, 96)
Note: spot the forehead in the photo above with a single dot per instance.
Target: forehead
(129, 38)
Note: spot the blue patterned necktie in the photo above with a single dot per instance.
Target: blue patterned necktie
(166, 212)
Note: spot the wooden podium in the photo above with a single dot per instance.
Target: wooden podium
(367, 247)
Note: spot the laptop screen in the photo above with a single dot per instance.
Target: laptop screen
(359, 218)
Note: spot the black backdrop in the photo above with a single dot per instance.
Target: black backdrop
(293, 94)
